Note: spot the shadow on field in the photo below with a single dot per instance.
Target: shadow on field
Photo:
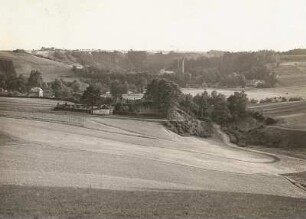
(42, 202)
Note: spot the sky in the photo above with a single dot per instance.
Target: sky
(179, 25)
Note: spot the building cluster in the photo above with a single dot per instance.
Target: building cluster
(103, 109)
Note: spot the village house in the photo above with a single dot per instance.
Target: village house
(164, 71)
(36, 92)
(104, 109)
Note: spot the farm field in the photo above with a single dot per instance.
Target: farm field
(291, 114)
(107, 164)
(255, 93)
(291, 126)
(252, 93)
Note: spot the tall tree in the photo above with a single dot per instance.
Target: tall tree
(220, 111)
(117, 89)
(3, 81)
(35, 79)
(164, 94)
(202, 101)
(91, 96)
(237, 104)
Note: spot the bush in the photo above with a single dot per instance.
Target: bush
(257, 115)
(192, 127)
(14, 94)
(295, 99)
(270, 121)
(253, 101)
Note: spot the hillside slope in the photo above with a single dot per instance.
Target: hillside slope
(291, 74)
(127, 61)
(291, 114)
(24, 63)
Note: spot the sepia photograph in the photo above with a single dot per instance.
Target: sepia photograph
(152, 109)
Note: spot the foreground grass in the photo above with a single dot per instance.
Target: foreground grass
(39, 202)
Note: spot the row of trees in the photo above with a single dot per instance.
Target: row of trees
(166, 95)
(58, 88)
(12, 82)
(134, 82)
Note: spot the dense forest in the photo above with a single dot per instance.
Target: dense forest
(227, 70)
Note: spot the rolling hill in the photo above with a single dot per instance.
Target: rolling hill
(291, 114)
(24, 63)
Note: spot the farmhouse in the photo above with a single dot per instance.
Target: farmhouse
(103, 110)
(36, 92)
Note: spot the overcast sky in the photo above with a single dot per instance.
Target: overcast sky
(183, 25)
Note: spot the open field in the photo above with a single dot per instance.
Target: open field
(252, 93)
(291, 83)
(291, 114)
(24, 63)
(290, 128)
(97, 166)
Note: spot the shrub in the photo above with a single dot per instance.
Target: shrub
(295, 99)
(270, 121)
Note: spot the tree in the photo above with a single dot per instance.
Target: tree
(21, 84)
(61, 90)
(189, 105)
(237, 104)
(138, 59)
(117, 89)
(91, 96)
(141, 84)
(220, 111)
(3, 82)
(75, 86)
(57, 87)
(202, 101)
(35, 79)
(235, 80)
(164, 94)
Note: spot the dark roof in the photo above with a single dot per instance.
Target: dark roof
(104, 106)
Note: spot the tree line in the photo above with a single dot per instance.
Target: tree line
(21, 85)
(166, 95)
(228, 70)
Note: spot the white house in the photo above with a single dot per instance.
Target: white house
(36, 92)
(164, 71)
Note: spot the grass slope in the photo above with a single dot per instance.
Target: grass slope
(290, 131)
(24, 63)
(291, 114)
